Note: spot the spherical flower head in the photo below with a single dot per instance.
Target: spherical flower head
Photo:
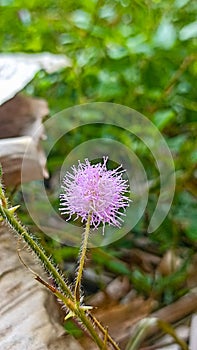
(92, 190)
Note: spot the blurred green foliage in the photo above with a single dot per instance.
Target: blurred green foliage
(139, 53)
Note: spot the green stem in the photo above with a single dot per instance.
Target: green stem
(78, 311)
(48, 265)
(168, 329)
(65, 295)
(140, 333)
(104, 331)
(88, 324)
(3, 197)
(82, 256)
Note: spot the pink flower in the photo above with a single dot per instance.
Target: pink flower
(93, 190)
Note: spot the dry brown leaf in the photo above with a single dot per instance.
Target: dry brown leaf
(114, 291)
(169, 263)
(118, 288)
(120, 319)
(147, 261)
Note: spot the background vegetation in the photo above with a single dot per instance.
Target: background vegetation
(139, 53)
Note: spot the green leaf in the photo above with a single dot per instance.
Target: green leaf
(72, 329)
(142, 282)
(163, 118)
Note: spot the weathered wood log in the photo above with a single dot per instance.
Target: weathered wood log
(20, 115)
(19, 119)
(18, 69)
(30, 317)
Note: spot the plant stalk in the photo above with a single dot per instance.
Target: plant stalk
(82, 256)
(48, 265)
(64, 294)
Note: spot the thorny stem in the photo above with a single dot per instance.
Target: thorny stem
(65, 295)
(82, 256)
(78, 311)
(13, 222)
(104, 331)
(3, 199)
